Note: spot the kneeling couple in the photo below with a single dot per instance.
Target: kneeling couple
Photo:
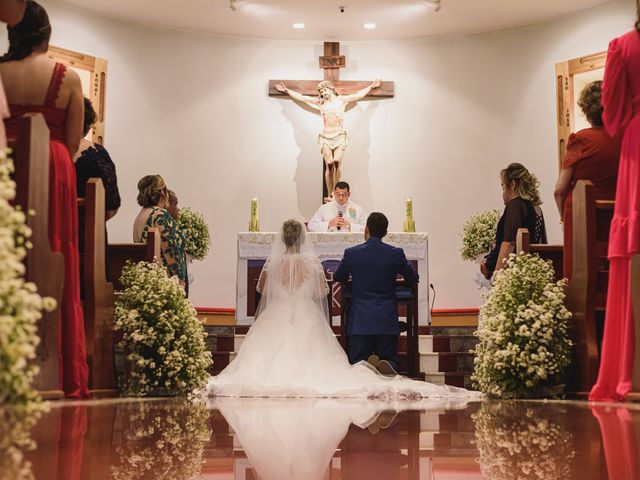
(291, 351)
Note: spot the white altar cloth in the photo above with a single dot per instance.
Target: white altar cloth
(331, 246)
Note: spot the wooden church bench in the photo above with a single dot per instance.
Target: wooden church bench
(44, 267)
(552, 252)
(587, 291)
(97, 292)
(119, 253)
(634, 279)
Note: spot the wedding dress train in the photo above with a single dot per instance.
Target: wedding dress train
(291, 351)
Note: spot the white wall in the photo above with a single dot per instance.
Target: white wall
(194, 108)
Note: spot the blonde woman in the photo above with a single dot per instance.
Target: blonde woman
(522, 210)
(153, 197)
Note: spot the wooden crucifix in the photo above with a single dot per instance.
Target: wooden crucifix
(330, 97)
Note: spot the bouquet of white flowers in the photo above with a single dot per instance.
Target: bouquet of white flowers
(163, 339)
(162, 441)
(524, 347)
(195, 231)
(520, 441)
(20, 304)
(478, 234)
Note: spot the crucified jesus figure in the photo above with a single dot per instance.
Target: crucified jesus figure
(333, 137)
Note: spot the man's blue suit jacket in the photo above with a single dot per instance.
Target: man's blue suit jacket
(373, 267)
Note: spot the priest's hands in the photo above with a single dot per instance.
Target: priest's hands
(341, 222)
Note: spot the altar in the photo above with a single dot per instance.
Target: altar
(254, 248)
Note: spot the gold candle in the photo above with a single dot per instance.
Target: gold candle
(254, 223)
(409, 208)
(409, 224)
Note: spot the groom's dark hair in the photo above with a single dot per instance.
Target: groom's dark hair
(377, 224)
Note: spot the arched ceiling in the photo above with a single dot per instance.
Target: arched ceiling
(324, 21)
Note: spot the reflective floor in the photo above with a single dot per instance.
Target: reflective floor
(244, 439)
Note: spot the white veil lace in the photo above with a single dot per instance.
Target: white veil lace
(292, 272)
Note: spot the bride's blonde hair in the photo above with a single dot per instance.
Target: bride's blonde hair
(291, 231)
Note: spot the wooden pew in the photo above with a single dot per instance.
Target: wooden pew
(43, 267)
(98, 293)
(119, 253)
(587, 292)
(634, 278)
(552, 252)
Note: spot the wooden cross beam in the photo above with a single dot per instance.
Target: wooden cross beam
(331, 62)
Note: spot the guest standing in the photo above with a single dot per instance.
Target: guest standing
(522, 210)
(153, 197)
(93, 161)
(621, 101)
(36, 84)
(591, 155)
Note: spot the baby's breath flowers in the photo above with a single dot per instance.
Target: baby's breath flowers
(164, 441)
(524, 347)
(478, 234)
(20, 305)
(524, 441)
(196, 233)
(163, 338)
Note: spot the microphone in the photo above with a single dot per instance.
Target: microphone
(340, 215)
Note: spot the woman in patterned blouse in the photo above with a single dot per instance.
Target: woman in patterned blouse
(153, 197)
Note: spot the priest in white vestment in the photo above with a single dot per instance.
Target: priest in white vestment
(340, 214)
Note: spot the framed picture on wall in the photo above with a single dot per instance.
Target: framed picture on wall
(571, 77)
(93, 75)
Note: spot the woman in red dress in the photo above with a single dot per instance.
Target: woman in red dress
(591, 155)
(36, 84)
(621, 101)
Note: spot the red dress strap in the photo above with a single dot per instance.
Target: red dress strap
(54, 85)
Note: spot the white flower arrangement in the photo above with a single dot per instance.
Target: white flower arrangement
(162, 336)
(524, 347)
(163, 441)
(516, 441)
(196, 233)
(478, 234)
(20, 305)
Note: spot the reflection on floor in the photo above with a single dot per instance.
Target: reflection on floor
(250, 439)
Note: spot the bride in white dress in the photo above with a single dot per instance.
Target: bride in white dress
(291, 351)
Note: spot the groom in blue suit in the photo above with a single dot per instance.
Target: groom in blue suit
(373, 327)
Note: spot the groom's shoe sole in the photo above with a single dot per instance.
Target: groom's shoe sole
(373, 360)
(386, 369)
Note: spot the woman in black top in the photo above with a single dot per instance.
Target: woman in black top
(93, 161)
(522, 210)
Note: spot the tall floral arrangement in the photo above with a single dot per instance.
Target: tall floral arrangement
(478, 234)
(524, 347)
(195, 231)
(162, 336)
(20, 305)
